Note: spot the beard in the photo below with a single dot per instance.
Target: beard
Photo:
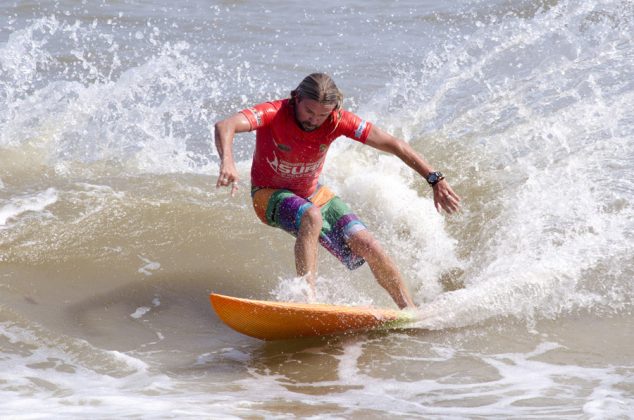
(306, 126)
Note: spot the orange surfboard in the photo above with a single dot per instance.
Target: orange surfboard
(282, 320)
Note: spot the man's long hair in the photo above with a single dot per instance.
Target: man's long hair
(319, 87)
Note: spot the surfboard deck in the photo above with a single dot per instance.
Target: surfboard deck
(269, 320)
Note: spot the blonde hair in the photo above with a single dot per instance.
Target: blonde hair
(319, 87)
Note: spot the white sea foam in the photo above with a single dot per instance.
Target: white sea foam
(149, 266)
(70, 377)
(383, 190)
(16, 206)
(516, 384)
(327, 290)
(143, 310)
(140, 311)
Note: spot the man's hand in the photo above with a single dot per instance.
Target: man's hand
(445, 198)
(228, 176)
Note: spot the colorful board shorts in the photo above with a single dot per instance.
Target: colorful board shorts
(284, 209)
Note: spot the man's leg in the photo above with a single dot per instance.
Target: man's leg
(306, 247)
(385, 271)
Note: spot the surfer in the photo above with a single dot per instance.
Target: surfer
(292, 138)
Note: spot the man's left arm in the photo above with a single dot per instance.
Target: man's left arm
(444, 197)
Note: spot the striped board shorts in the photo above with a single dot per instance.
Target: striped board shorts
(283, 209)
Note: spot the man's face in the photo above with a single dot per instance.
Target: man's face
(311, 114)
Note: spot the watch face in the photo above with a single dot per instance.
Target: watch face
(434, 177)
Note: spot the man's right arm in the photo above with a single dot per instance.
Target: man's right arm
(224, 133)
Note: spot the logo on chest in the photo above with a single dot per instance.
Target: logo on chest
(293, 169)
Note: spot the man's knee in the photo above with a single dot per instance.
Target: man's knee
(311, 219)
(365, 245)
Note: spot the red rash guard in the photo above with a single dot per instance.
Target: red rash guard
(288, 157)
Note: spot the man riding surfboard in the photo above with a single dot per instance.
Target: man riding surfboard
(292, 139)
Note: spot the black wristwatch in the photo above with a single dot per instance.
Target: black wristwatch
(434, 178)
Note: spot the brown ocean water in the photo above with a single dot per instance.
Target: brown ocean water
(112, 233)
